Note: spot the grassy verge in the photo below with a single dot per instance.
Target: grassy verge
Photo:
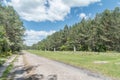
(3, 57)
(7, 71)
(106, 63)
(2, 61)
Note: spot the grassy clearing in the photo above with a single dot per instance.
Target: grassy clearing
(106, 63)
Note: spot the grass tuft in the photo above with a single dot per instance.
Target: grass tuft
(7, 71)
(107, 63)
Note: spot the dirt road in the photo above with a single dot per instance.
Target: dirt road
(47, 69)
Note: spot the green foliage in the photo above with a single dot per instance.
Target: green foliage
(99, 34)
(8, 69)
(87, 60)
(11, 30)
(2, 61)
(63, 48)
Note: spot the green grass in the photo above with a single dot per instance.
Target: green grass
(7, 71)
(3, 57)
(2, 61)
(86, 60)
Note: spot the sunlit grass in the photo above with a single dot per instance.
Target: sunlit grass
(87, 60)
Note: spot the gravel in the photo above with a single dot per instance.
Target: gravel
(52, 70)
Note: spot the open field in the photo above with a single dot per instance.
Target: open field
(107, 64)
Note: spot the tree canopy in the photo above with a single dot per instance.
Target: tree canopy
(99, 34)
(11, 30)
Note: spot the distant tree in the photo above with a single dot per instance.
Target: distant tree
(99, 34)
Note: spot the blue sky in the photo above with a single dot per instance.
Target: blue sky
(73, 17)
(44, 17)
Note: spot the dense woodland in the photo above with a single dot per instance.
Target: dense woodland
(99, 34)
(11, 30)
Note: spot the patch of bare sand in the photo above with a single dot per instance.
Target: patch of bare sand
(101, 62)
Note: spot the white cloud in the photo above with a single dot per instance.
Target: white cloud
(51, 10)
(100, 4)
(4, 2)
(83, 15)
(32, 36)
(79, 3)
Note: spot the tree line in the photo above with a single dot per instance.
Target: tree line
(11, 30)
(99, 34)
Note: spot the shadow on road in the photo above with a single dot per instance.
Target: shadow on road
(21, 70)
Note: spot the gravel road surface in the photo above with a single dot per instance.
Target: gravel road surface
(45, 69)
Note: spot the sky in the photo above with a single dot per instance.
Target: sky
(44, 17)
